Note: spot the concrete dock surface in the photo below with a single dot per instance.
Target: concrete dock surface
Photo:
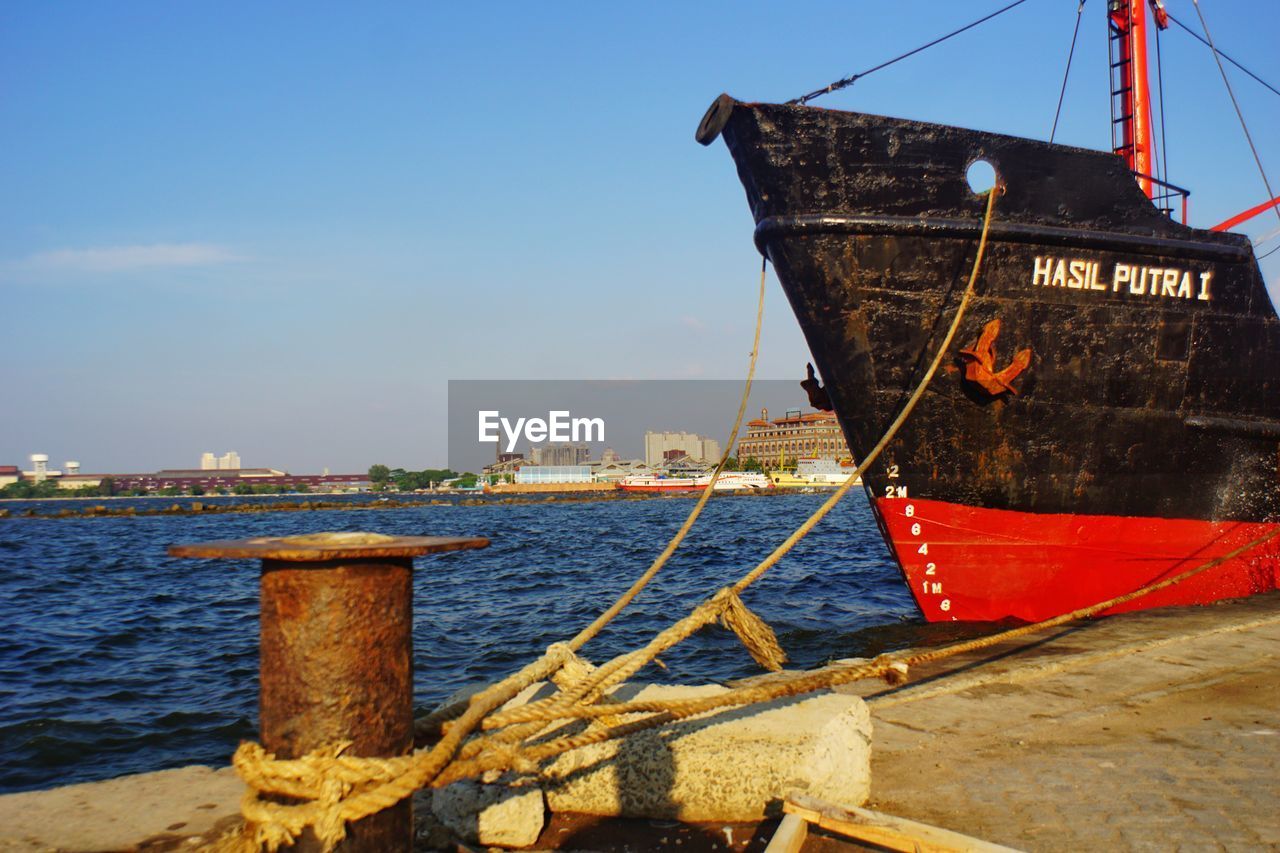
(1157, 730)
(1149, 731)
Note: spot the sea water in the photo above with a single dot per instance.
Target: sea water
(116, 659)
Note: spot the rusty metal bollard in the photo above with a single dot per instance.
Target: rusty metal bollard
(336, 651)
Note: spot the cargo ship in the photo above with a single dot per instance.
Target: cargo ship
(1110, 412)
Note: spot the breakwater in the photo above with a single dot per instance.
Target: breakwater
(127, 507)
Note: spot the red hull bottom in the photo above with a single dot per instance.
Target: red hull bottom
(967, 563)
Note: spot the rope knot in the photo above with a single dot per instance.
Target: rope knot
(571, 668)
(754, 633)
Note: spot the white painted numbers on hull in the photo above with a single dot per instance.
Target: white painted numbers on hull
(931, 588)
(1130, 279)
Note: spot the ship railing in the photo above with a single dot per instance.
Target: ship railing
(1168, 195)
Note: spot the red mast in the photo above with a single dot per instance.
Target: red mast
(1131, 135)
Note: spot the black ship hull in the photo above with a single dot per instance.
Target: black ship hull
(1136, 427)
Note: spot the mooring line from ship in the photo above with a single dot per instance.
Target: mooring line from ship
(432, 722)
(760, 642)
(894, 667)
(316, 775)
(276, 824)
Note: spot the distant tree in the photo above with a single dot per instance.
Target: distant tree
(197, 490)
(731, 464)
(106, 487)
(20, 489)
(242, 489)
(379, 476)
(171, 491)
(751, 464)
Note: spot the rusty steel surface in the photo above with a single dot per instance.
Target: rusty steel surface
(1131, 401)
(337, 665)
(326, 546)
(336, 653)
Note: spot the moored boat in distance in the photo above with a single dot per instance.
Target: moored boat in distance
(729, 481)
(813, 473)
(1110, 413)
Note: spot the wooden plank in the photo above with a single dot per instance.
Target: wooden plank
(895, 833)
(789, 836)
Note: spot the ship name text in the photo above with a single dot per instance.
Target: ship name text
(1133, 279)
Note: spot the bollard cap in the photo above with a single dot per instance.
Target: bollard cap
(311, 547)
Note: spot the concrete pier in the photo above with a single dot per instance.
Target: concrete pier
(1147, 731)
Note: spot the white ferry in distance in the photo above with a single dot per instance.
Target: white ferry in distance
(729, 481)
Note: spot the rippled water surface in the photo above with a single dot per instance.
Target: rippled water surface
(117, 659)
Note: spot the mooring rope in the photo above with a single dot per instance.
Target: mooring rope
(336, 800)
(340, 789)
(628, 664)
(431, 723)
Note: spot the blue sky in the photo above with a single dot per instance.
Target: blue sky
(281, 228)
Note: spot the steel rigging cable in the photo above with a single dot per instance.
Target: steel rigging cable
(850, 80)
(1065, 74)
(1257, 159)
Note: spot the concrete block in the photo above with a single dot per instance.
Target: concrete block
(491, 814)
(733, 765)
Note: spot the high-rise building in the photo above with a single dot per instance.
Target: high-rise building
(229, 461)
(659, 445)
(560, 454)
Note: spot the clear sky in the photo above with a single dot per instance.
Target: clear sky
(280, 228)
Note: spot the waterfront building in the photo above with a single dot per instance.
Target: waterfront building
(794, 435)
(532, 474)
(611, 469)
(9, 474)
(504, 470)
(658, 447)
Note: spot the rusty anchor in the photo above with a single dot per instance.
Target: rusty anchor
(980, 363)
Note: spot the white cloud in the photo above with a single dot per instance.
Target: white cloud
(128, 258)
(690, 322)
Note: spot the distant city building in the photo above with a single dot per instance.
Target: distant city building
(39, 467)
(554, 474)
(185, 480)
(793, 436)
(611, 468)
(229, 461)
(505, 470)
(657, 446)
(559, 454)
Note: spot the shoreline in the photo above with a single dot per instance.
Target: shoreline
(200, 505)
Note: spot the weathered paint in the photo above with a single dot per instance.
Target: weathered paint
(1153, 389)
